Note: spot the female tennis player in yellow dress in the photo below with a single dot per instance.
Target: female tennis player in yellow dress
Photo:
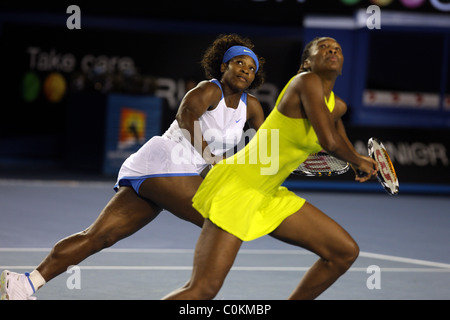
(242, 197)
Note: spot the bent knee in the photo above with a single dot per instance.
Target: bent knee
(205, 290)
(347, 255)
(352, 251)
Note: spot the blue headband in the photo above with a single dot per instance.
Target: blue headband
(235, 51)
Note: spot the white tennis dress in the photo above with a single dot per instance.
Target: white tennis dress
(173, 155)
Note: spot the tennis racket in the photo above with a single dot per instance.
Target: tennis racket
(386, 172)
(321, 164)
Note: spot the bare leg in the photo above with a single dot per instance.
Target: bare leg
(311, 229)
(214, 256)
(175, 195)
(125, 214)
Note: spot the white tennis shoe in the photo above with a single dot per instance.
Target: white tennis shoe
(16, 286)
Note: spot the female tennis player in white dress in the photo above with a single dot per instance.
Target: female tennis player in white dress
(165, 172)
(174, 154)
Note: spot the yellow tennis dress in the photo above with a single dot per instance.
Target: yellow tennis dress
(243, 194)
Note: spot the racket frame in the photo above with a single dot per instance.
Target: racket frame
(392, 190)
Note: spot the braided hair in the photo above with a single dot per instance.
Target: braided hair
(306, 53)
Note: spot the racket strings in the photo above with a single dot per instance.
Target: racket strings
(320, 163)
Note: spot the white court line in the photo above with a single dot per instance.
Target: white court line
(254, 251)
(55, 183)
(237, 268)
(162, 251)
(404, 260)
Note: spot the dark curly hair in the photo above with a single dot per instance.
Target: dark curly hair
(212, 59)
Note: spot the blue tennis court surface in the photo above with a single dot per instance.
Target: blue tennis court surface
(404, 242)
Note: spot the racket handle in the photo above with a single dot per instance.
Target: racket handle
(205, 171)
(360, 173)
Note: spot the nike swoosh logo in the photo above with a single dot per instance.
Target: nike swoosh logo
(238, 120)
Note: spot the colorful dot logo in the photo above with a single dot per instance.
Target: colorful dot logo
(54, 87)
(350, 2)
(381, 3)
(31, 86)
(412, 4)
